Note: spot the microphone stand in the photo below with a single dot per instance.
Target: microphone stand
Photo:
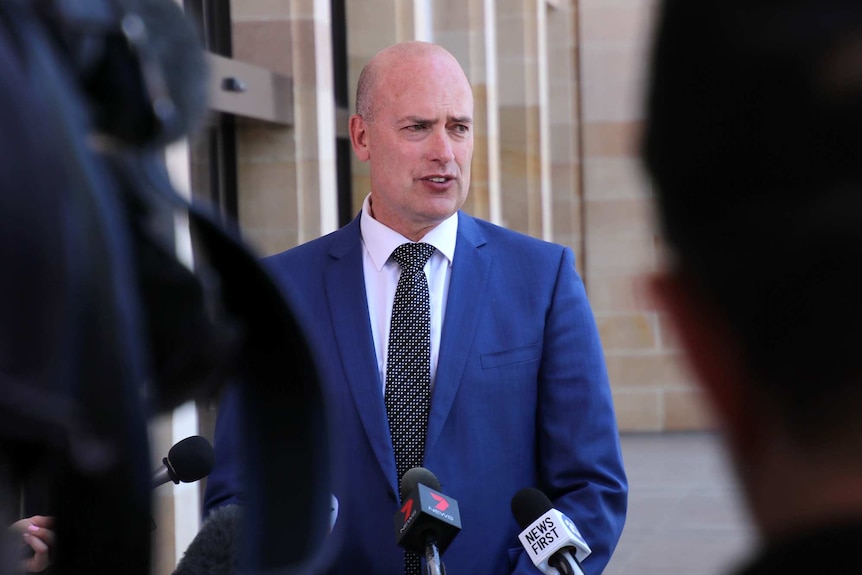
(566, 564)
(433, 564)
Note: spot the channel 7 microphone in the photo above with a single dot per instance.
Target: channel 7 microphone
(553, 543)
(188, 460)
(428, 521)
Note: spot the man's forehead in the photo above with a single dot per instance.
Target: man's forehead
(429, 110)
(438, 67)
(428, 102)
(427, 87)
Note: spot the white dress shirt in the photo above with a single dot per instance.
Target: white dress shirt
(382, 273)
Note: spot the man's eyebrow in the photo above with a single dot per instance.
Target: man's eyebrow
(415, 120)
(462, 120)
(421, 120)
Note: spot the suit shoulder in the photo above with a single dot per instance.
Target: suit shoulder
(309, 251)
(518, 241)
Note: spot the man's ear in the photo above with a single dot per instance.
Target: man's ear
(714, 355)
(359, 137)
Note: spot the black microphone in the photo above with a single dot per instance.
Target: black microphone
(553, 543)
(428, 521)
(188, 461)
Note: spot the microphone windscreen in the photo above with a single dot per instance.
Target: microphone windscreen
(214, 549)
(192, 458)
(415, 476)
(529, 504)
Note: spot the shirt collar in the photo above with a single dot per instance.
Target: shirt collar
(381, 241)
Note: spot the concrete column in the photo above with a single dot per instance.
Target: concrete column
(286, 174)
(519, 63)
(467, 29)
(565, 190)
(371, 26)
(650, 385)
(315, 125)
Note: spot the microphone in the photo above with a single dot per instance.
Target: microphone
(428, 521)
(215, 548)
(553, 543)
(188, 461)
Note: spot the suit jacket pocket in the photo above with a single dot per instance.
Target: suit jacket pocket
(512, 356)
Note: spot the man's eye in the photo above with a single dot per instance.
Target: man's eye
(416, 127)
(461, 128)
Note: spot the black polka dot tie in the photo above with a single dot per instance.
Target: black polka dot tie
(408, 366)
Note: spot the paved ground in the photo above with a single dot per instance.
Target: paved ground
(685, 514)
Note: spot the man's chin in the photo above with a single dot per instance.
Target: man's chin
(442, 206)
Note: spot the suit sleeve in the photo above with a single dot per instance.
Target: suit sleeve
(579, 458)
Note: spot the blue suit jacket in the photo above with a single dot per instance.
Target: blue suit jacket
(521, 398)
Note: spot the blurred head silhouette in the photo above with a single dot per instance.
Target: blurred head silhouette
(752, 140)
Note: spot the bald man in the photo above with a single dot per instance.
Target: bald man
(517, 392)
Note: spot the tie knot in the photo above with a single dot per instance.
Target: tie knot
(412, 257)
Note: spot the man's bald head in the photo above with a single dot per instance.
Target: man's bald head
(391, 58)
(414, 127)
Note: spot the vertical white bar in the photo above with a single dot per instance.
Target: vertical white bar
(423, 20)
(325, 119)
(495, 207)
(544, 121)
(184, 420)
(187, 500)
(177, 161)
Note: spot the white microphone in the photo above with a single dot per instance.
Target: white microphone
(550, 538)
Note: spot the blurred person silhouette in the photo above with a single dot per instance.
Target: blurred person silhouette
(752, 140)
(101, 325)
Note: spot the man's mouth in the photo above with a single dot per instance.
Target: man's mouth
(438, 179)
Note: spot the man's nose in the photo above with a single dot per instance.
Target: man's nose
(440, 147)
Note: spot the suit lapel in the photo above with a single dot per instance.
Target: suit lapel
(348, 304)
(467, 291)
